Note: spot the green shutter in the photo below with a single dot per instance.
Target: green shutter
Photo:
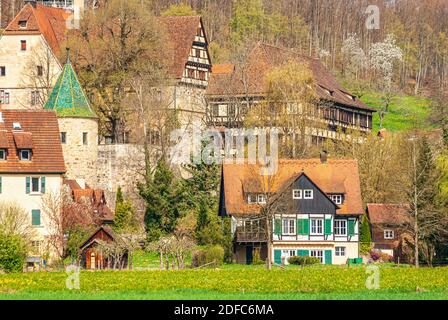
(303, 226)
(1, 185)
(327, 227)
(277, 227)
(35, 217)
(28, 185)
(303, 253)
(351, 227)
(328, 257)
(42, 184)
(278, 256)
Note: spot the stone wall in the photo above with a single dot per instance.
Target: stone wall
(120, 165)
(80, 159)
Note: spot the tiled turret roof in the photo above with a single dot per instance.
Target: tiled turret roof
(68, 98)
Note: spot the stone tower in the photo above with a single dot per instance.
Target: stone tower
(78, 125)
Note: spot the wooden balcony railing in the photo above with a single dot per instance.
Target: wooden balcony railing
(245, 236)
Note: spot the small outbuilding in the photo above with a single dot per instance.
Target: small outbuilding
(93, 257)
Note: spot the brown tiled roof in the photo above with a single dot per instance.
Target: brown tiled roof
(23, 140)
(262, 60)
(47, 154)
(3, 139)
(334, 176)
(181, 32)
(380, 213)
(48, 21)
(94, 197)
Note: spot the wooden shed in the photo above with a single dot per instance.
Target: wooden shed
(93, 257)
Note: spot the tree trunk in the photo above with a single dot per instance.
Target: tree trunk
(268, 244)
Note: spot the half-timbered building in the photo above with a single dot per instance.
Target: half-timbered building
(233, 90)
(314, 208)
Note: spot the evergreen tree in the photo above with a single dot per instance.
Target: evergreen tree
(365, 236)
(163, 199)
(124, 213)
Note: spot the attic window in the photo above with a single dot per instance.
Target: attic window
(22, 23)
(16, 126)
(2, 154)
(25, 155)
(337, 198)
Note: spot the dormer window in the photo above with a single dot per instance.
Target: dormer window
(251, 198)
(261, 198)
(256, 198)
(2, 154)
(25, 155)
(337, 198)
(22, 23)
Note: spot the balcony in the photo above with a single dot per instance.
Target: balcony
(250, 236)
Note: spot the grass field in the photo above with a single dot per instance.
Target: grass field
(404, 112)
(233, 282)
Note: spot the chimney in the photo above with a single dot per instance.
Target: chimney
(323, 156)
(31, 2)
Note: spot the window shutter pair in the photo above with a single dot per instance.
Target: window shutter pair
(327, 227)
(328, 257)
(278, 256)
(35, 217)
(277, 227)
(303, 226)
(351, 227)
(303, 253)
(28, 185)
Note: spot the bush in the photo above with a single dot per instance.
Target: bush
(12, 253)
(210, 256)
(303, 260)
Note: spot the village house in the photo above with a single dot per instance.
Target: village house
(234, 90)
(315, 206)
(31, 166)
(29, 47)
(387, 227)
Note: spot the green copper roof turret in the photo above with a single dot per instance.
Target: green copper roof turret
(68, 98)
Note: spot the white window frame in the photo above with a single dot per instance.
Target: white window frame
(339, 251)
(311, 196)
(39, 185)
(338, 228)
(3, 153)
(317, 226)
(337, 198)
(261, 198)
(389, 234)
(297, 194)
(250, 200)
(318, 254)
(21, 155)
(290, 226)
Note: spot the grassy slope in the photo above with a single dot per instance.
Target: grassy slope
(232, 282)
(405, 111)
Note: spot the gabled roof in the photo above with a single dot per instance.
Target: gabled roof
(262, 59)
(68, 98)
(391, 214)
(181, 32)
(39, 132)
(48, 21)
(102, 233)
(334, 176)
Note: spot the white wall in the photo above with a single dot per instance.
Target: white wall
(14, 190)
(20, 74)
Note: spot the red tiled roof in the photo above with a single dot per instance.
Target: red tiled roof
(223, 68)
(334, 176)
(23, 140)
(380, 213)
(181, 32)
(48, 21)
(262, 60)
(39, 127)
(3, 139)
